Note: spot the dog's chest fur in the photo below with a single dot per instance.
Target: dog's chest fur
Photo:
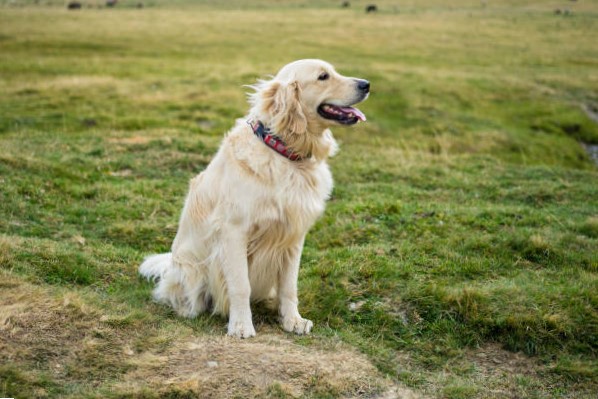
(278, 190)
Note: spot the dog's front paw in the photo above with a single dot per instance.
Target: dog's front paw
(240, 329)
(297, 324)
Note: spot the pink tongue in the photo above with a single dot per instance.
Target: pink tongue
(360, 115)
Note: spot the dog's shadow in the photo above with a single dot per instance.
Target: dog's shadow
(264, 316)
(265, 313)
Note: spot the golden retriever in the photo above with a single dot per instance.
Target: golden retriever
(245, 218)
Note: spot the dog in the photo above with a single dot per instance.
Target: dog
(245, 218)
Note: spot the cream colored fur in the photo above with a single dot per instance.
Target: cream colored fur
(242, 228)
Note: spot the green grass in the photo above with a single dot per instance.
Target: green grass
(464, 216)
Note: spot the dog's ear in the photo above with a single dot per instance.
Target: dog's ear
(281, 102)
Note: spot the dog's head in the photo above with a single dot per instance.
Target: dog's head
(305, 98)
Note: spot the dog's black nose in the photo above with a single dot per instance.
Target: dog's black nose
(363, 85)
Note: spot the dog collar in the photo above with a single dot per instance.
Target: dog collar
(273, 141)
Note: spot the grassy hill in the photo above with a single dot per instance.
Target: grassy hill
(456, 259)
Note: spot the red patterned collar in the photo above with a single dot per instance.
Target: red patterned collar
(273, 141)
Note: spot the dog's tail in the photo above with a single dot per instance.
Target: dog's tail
(154, 266)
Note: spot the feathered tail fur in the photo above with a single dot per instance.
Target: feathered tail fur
(154, 266)
(185, 289)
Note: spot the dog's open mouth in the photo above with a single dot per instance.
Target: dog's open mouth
(343, 115)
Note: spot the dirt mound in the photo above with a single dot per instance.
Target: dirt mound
(217, 367)
(57, 335)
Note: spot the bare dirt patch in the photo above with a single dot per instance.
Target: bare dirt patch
(217, 367)
(492, 359)
(506, 374)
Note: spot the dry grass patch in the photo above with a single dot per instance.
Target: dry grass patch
(132, 140)
(217, 367)
(56, 337)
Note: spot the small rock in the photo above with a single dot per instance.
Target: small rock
(354, 306)
(211, 364)
(404, 319)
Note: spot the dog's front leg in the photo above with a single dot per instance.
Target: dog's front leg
(236, 276)
(289, 313)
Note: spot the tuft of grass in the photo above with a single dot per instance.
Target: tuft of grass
(589, 227)
(458, 390)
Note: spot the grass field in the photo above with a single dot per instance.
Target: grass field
(457, 258)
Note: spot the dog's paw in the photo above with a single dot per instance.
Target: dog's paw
(297, 324)
(241, 329)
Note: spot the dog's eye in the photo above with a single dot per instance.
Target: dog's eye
(323, 76)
